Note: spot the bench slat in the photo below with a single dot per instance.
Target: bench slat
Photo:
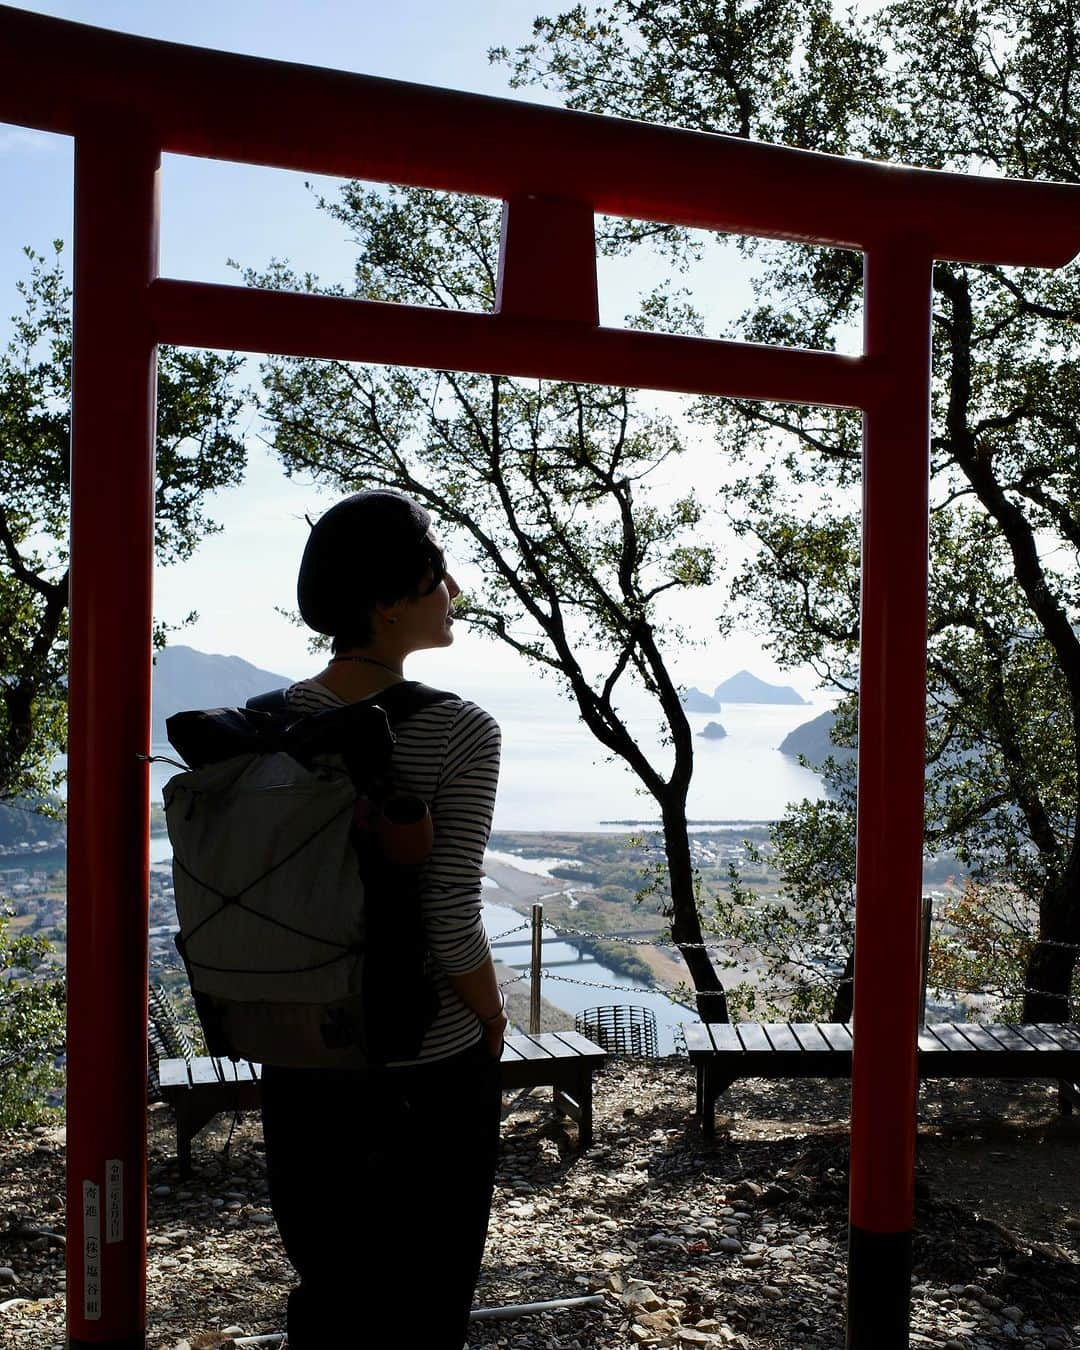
(762, 1041)
(753, 1037)
(556, 1043)
(979, 1038)
(173, 1073)
(579, 1044)
(238, 1071)
(838, 1034)
(781, 1037)
(1009, 1038)
(1067, 1037)
(528, 1047)
(950, 1037)
(698, 1040)
(204, 1069)
(1035, 1036)
(810, 1038)
(725, 1038)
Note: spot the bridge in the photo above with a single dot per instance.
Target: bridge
(524, 941)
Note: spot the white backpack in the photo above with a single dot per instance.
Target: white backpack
(303, 941)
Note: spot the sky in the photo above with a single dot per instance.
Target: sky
(214, 212)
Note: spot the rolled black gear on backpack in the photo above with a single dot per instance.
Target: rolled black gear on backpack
(296, 868)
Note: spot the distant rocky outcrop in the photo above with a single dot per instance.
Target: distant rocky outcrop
(747, 688)
(694, 700)
(713, 731)
(185, 678)
(812, 740)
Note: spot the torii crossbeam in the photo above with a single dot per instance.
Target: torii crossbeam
(126, 100)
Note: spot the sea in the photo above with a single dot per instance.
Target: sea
(556, 777)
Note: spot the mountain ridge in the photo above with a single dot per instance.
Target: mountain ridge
(184, 678)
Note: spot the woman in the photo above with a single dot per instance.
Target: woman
(381, 1184)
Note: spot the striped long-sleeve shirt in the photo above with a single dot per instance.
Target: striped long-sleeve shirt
(448, 754)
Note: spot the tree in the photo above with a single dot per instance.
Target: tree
(802, 941)
(550, 489)
(981, 85)
(197, 451)
(31, 1026)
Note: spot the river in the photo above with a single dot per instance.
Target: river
(498, 919)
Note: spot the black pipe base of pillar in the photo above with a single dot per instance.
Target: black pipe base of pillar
(124, 1343)
(879, 1290)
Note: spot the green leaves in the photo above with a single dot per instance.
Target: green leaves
(32, 1032)
(766, 70)
(803, 936)
(198, 451)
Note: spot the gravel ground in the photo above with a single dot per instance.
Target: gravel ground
(737, 1243)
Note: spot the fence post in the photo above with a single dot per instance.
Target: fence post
(534, 973)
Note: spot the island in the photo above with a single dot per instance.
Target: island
(747, 688)
(695, 701)
(713, 731)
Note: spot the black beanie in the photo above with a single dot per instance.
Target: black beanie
(364, 548)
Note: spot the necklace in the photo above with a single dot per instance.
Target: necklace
(370, 661)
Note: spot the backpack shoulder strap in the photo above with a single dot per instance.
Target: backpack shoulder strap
(273, 701)
(400, 701)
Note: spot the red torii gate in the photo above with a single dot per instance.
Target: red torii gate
(126, 100)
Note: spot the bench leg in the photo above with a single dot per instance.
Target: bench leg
(184, 1134)
(183, 1155)
(190, 1119)
(710, 1084)
(707, 1102)
(585, 1135)
(573, 1098)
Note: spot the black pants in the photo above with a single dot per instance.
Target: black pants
(381, 1187)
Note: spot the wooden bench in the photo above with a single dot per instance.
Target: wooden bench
(725, 1052)
(200, 1088)
(197, 1088)
(566, 1061)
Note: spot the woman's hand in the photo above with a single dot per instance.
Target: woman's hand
(495, 1034)
(479, 990)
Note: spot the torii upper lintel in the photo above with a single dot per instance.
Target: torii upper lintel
(224, 106)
